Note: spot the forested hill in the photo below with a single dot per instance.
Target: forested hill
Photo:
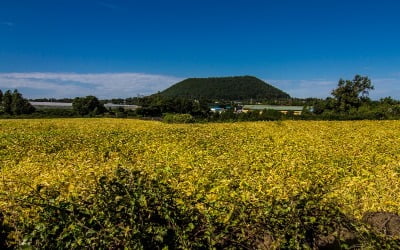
(225, 88)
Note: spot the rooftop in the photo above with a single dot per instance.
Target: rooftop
(274, 107)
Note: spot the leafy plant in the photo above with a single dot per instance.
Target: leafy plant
(178, 118)
(5, 230)
(128, 210)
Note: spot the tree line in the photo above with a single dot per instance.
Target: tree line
(348, 101)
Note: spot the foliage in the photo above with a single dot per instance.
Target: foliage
(225, 88)
(178, 118)
(5, 231)
(14, 103)
(88, 105)
(128, 210)
(7, 102)
(351, 93)
(158, 105)
(348, 98)
(264, 115)
(350, 102)
(19, 105)
(53, 112)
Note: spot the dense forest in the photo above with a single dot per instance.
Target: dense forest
(237, 88)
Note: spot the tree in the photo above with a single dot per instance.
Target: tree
(20, 105)
(389, 101)
(320, 106)
(157, 105)
(17, 103)
(352, 93)
(7, 101)
(88, 105)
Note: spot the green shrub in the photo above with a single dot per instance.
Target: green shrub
(128, 210)
(5, 230)
(304, 221)
(178, 118)
(300, 222)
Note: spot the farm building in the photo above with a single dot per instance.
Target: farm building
(62, 105)
(51, 105)
(284, 109)
(124, 106)
(220, 108)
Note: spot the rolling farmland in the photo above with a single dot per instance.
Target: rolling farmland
(213, 168)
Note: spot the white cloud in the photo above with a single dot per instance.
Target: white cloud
(122, 85)
(305, 88)
(102, 85)
(385, 87)
(322, 88)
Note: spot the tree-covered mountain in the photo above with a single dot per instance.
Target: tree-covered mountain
(225, 88)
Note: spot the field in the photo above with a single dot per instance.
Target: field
(215, 168)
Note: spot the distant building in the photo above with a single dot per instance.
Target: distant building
(51, 105)
(124, 106)
(220, 108)
(284, 109)
(64, 105)
(217, 109)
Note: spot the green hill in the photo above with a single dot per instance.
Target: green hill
(225, 88)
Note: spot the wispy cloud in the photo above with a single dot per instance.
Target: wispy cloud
(102, 85)
(9, 24)
(386, 87)
(114, 85)
(321, 88)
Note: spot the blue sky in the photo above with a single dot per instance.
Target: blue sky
(122, 48)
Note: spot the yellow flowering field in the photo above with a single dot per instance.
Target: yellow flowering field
(357, 162)
(360, 161)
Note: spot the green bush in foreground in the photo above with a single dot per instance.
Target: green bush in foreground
(130, 210)
(5, 230)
